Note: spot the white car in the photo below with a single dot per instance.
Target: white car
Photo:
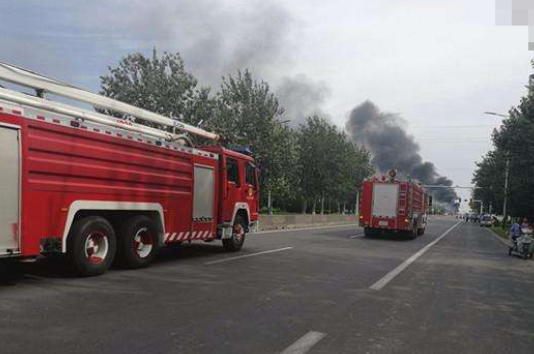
(486, 220)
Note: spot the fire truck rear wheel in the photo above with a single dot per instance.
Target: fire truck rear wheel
(235, 243)
(91, 245)
(414, 233)
(138, 242)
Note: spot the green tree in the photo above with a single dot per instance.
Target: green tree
(514, 142)
(489, 179)
(356, 166)
(285, 171)
(158, 84)
(332, 167)
(314, 144)
(247, 113)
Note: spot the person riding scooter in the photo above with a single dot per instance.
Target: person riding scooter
(515, 231)
(522, 241)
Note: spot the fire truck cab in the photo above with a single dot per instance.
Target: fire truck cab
(98, 188)
(240, 193)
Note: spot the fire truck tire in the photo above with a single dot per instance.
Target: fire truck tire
(413, 233)
(235, 243)
(91, 246)
(137, 242)
(368, 232)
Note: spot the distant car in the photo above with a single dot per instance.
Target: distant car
(486, 220)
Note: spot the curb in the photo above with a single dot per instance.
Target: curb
(288, 229)
(503, 241)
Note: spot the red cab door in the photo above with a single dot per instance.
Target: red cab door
(234, 187)
(252, 189)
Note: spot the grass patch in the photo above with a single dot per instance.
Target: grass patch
(500, 231)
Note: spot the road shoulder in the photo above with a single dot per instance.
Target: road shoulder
(501, 240)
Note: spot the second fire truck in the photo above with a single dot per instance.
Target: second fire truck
(98, 188)
(390, 206)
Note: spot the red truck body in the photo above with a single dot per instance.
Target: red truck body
(390, 206)
(60, 169)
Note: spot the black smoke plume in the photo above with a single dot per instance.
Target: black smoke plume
(384, 136)
(301, 98)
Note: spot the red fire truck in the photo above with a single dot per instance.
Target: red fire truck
(389, 206)
(96, 187)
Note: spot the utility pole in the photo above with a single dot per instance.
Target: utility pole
(505, 202)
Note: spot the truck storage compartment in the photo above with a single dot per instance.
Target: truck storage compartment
(9, 190)
(385, 200)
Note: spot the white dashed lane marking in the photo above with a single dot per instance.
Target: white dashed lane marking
(248, 255)
(304, 343)
(391, 275)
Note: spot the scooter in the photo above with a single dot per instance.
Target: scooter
(523, 246)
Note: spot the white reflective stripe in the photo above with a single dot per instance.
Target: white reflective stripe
(169, 236)
(195, 235)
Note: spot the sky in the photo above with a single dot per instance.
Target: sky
(438, 64)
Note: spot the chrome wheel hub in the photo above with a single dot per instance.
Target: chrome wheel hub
(96, 247)
(143, 243)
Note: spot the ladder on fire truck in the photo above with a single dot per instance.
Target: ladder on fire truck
(42, 84)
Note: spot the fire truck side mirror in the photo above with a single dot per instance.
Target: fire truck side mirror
(430, 200)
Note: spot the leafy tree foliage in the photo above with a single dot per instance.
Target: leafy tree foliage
(158, 84)
(489, 177)
(332, 167)
(247, 114)
(514, 142)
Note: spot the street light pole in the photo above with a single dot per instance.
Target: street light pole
(505, 201)
(497, 114)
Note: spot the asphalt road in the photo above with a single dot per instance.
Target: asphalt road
(327, 290)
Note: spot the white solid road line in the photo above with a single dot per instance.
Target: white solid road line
(305, 343)
(248, 255)
(356, 236)
(391, 275)
(303, 229)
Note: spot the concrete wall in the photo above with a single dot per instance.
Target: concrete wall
(279, 222)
